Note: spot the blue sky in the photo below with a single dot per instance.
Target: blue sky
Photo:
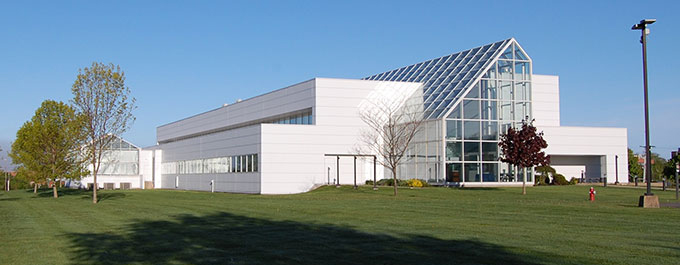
(186, 57)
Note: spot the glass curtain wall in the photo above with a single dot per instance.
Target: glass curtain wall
(422, 159)
(120, 158)
(500, 100)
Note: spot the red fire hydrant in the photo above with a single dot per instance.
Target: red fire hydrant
(592, 194)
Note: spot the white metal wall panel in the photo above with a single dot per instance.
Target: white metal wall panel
(292, 156)
(289, 99)
(591, 141)
(545, 100)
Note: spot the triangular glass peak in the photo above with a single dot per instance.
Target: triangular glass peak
(448, 78)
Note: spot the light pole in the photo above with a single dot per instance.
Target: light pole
(642, 26)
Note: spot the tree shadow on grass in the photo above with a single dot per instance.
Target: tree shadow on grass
(225, 238)
(84, 194)
(62, 192)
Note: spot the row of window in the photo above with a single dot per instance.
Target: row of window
(484, 172)
(226, 164)
(500, 90)
(300, 118)
(476, 130)
(459, 172)
(472, 151)
(491, 110)
(509, 69)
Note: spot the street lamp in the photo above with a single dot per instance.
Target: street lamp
(642, 26)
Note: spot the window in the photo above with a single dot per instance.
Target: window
(470, 109)
(454, 151)
(454, 130)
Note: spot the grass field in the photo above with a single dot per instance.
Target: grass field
(550, 225)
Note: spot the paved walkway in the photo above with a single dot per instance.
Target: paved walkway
(670, 205)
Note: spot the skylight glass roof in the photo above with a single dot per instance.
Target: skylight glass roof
(447, 78)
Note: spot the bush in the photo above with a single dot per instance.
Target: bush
(559, 179)
(573, 181)
(389, 182)
(415, 183)
(542, 180)
(369, 182)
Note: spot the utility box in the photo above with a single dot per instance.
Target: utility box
(148, 185)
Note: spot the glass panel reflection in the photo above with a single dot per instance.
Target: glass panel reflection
(471, 172)
(454, 151)
(471, 130)
(471, 150)
(489, 172)
(454, 130)
(453, 172)
(490, 130)
(471, 109)
(489, 110)
(490, 151)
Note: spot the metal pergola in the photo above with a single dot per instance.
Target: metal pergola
(337, 167)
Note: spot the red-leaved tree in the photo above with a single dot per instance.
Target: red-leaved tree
(523, 148)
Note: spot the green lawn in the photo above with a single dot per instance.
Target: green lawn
(340, 226)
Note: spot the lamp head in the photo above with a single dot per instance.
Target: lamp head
(643, 23)
(648, 21)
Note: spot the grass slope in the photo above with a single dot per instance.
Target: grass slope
(550, 225)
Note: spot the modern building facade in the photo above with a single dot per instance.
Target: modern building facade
(123, 166)
(290, 140)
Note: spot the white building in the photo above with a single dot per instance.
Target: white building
(288, 140)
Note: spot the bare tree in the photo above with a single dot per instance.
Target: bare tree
(392, 126)
(100, 94)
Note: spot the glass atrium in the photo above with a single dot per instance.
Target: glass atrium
(121, 158)
(469, 98)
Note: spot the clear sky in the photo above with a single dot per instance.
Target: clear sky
(186, 57)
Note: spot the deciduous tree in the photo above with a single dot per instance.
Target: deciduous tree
(48, 146)
(100, 95)
(523, 148)
(634, 168)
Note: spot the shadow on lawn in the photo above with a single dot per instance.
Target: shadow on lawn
(84, 194)
(230, 239)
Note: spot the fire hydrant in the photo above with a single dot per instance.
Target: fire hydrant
(592, 193)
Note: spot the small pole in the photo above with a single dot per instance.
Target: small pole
(375, 187)
(337, 171)
(616, 166)
(677, 185)
(328, 182)
(355, 172)
(663, 183)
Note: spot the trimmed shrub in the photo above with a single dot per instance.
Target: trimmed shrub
(573, 181)
(369, 182)
(559, 179)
